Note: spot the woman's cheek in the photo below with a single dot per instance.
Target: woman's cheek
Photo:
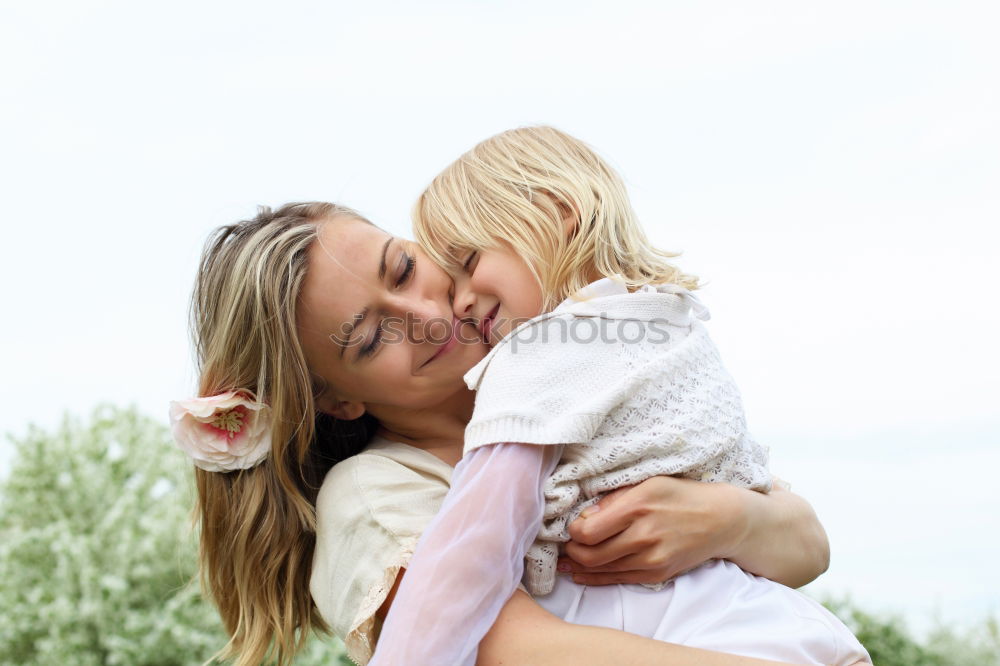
(394, 332)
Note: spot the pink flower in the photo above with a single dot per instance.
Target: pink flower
(222, 432)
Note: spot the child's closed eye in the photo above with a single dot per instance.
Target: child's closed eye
(470, 262)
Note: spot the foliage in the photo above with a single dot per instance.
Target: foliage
(97, 561)
(890, 644)
(97, 556)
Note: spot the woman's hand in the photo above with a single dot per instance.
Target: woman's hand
(665, 526)
(653, 531)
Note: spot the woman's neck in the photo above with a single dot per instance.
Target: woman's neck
(439, 430)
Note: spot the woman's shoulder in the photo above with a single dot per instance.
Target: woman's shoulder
(385, 462)
(394, 485)
(370, 513)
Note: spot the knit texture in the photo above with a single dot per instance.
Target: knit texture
(633, 384)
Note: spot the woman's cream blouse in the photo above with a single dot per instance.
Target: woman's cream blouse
(370, 513)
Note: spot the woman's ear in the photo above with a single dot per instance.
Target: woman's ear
(345, 410)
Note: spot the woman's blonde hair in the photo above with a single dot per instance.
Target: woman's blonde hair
(258, 525)
(519, 187)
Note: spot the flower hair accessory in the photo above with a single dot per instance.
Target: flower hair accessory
(222, 432)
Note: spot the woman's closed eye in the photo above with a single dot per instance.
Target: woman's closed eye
(406, 268)
(371, 346)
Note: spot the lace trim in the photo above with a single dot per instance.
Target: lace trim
(360, 640)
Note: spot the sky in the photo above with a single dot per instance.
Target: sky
(831, 171)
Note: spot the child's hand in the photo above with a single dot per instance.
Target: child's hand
(654, 531)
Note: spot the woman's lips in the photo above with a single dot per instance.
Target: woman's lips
(449, 343)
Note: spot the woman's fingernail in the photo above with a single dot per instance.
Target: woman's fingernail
(590, 510)
(564, 567)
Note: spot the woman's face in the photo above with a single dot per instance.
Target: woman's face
(376, 322)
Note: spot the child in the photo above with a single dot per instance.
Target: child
(601, 376)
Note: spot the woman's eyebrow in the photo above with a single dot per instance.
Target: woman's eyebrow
(360, 317)
(381, 265)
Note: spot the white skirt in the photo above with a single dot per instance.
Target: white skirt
(716, 606)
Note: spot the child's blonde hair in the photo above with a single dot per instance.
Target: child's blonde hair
(520, 187)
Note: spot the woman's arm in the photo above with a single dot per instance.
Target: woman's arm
(526, 634)
(665, 526)
(783, 539)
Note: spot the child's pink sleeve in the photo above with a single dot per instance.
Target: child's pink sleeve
(470, 559)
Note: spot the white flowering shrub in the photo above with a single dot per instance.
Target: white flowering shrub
(97, 556)
(97, 561)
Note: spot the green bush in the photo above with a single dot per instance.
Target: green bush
(97, 561)
(890, 644)
(97, 556)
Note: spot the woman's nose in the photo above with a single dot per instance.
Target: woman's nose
(423, 318)
(464, 299)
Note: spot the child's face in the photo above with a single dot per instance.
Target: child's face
(496, 291)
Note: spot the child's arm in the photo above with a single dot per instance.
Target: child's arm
(470, 559)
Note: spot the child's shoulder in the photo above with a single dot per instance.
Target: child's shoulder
(610, 298)
(599, 330)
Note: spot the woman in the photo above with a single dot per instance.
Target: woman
(342, 330)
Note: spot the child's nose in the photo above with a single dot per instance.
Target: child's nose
(465, 299)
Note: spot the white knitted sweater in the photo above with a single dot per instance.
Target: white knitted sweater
(633, 385)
